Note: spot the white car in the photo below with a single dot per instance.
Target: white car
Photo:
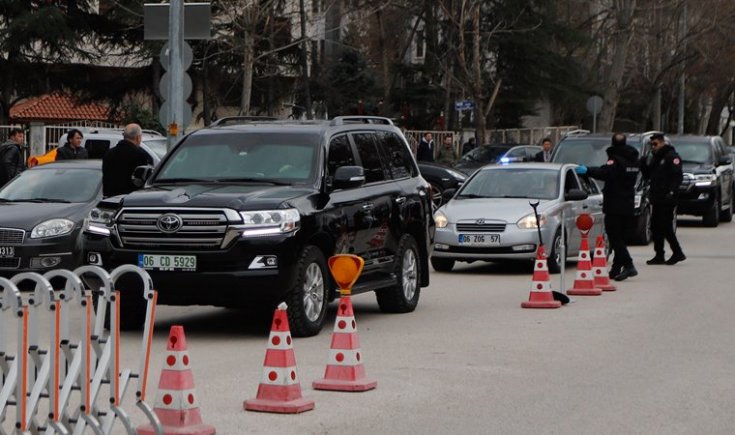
(98, 140)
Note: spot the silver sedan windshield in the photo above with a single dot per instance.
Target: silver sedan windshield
(513, 183)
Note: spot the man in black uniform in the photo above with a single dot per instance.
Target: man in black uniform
(663, 168)
(619, 174)
(120, 161)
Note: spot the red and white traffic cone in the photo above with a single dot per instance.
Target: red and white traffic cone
(176, 405)
(584, 283)
(599, 267)
(541, 295)
(279, 390)
(345, 370)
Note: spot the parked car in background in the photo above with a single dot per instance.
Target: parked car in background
(440, 178)
(42, 213)
(488, 154)
(490, 218)
(707, 188)
(98, 140)
(584, 148)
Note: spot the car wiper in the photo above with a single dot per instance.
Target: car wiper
(472, 195)
(255, 180)
(692, 161)
(184, 180)
(61, 201)
(516, 196)
(5, 200)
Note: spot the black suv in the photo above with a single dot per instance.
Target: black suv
(588, 149)
(707, 188)
(249, 213)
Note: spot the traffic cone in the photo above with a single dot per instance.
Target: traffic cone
(584, 283)
(599, 267)
(176, 405)
(541, 296)
(345, 370)
(279, 390)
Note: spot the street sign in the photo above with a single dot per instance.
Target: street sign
(594, 104)
(163, 115)
(464, 105)
(187, 56)
(166, 82)
(197, 17)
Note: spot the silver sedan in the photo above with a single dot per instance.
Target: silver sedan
(490, 218)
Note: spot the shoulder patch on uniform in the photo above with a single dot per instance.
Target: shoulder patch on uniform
(677, 161)
(610, 162)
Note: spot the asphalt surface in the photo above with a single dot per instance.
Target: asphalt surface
(654, 357)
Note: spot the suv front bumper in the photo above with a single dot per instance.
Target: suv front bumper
(696, 200)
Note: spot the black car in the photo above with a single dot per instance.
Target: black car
(441, 178)
(707, 188)
(502, 153)
(42, 213)
(242, 214)
(589, 149)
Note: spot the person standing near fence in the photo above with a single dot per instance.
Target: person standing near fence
(11, 156)
(425, 152)
(446, 155)
(72, 149)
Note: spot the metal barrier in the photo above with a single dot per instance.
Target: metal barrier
(67, 364)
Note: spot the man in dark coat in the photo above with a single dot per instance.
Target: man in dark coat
(72, 149)
(120, 161)
(425, 152)
(545, 154)
(663, 168)
(619, 174)
(11, 157)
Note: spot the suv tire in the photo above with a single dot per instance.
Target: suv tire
(643, 232)
(726, 216)
(442, 264)
(711, 217)
(404, 295)
(307, 300)
(132, 304)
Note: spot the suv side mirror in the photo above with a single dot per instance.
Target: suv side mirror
(349, 177)
(575, 195)
(141, 174)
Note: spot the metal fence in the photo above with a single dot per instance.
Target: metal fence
(529, 136)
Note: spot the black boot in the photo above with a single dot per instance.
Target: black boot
(615, 270)
(627, 272)
(675, 258)
(658, 259)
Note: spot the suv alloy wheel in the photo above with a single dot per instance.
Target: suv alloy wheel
(307, 300)
(404, 295)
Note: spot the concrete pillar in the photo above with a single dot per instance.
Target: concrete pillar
(37, 138)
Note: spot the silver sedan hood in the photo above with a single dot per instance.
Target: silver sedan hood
(508, 210)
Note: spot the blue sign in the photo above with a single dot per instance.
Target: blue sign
(464, 105)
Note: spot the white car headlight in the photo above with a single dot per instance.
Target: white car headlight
(705, 179)
(528, 222)
(440, 219)
(52, 228)
(101, 216)
(264, 222)
(638, 200)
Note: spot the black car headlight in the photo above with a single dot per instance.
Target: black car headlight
(52, 228)
(101, 216)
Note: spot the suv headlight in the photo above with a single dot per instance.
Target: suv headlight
(705, 179)
(52, 228)
(101, 216)
(440, 219)
(266, 222)
(528, 222)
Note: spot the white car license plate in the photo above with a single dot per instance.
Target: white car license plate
(168, 262)
(7, 251)
(479, 239)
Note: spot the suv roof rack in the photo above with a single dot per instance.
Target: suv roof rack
(342, 120)
(230, 120)
(578, 132)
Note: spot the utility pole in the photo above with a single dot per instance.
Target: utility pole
(682, 77)
(176, 84)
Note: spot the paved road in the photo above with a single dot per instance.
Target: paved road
(654, 357)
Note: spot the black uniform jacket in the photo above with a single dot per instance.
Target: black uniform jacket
(620, 174)
(663, 168)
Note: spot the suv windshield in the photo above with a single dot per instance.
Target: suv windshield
(489, 154)
(268, 157)
(694, 152)
(588, 152)
(54, 185)
(513, 183)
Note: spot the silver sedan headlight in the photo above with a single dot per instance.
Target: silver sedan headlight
(440, 219)
(528, 222)
(52, 228)
(266, 222)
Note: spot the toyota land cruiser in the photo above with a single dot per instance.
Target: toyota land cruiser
(249, 213)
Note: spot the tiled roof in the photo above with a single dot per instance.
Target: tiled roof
(57, 107)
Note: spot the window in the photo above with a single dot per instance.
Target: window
(400, 164)
(420, 44)
(340, 154)
(571, 181)
(96, 148)
(368, 152)
(589, 185)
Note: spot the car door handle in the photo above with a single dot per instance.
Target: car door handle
(400, 200)
(367, 206)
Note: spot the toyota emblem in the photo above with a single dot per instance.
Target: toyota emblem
(169, 223)
(480, 222)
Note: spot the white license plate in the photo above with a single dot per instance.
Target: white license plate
(7, 251)
(479, 239)
(168, 262)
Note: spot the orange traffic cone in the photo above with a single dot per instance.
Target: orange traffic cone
(599, 267)
(345, 370)
(176, 405)
(279, 390)
(584, 283)
(541, 296)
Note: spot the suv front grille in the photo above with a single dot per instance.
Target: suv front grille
(482, 228)
(10, 236)
(199, 230)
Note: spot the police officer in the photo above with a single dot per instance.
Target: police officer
(663, 168)
(619, 174)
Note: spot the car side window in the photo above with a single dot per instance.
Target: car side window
(400, 163)
(570, 181)
(368, 153)
(96, 148)
(589, 186)
(340, 154)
